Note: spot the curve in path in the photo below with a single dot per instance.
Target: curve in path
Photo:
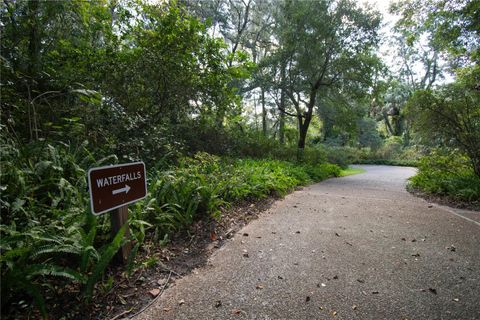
(358, 247)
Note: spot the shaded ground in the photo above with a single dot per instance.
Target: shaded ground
(355, 247)
(446, 201)
(164, 265)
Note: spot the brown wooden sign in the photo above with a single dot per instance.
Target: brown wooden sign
(112, 187)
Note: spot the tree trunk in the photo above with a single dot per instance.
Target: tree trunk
(34, 61)
(282, 106)
(302, 134)
(304, 122)
(387, 123)
(264, 115)
(255, 111)
(281, 128)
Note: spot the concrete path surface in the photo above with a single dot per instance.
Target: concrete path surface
(358, 247)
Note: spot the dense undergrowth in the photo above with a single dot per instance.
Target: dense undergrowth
(447, 174)
(49, 236)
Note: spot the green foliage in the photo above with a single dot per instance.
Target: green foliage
(390, 153)
(368, 134)
(162, 66)
(47, 230)
(204, 184)
(46, 227)
(449, 116)
(327, 61)
(106, 256)
(447, 174)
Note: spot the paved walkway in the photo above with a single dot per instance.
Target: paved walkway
(358, 247)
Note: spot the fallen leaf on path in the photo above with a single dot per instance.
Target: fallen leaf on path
(323, 285)
(335, 277)
(236, 311)
(354, 307)
(361, 281)
(416, 255)
(456, 299)
(280, 277)
(334, 313)
(337, 234)
(245, 234)
(213, 236)
(154, 292)
(259, 286)
(181, 302)
(245, 253)
(403, 239)
(218, 304)
(434, 291)
(307, 299)
(414, 240)
(375, 292)
(166, 309)
(297, 232)
(349, 243)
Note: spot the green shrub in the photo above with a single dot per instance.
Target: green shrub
(203, 184)
(392, 153)
(447, 174)
(47, 230)
(342, 156)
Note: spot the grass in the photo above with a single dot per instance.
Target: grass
(351, 171)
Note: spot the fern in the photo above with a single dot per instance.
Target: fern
(105, 258)
(56, 249)
(88, 250)
(53, 271)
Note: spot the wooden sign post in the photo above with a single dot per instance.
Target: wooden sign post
(119, 218)
(112, 188)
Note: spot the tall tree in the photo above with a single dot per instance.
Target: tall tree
(326, 46)
(448, 114)
(418, 57)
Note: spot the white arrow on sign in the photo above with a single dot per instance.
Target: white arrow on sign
(124, 189)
